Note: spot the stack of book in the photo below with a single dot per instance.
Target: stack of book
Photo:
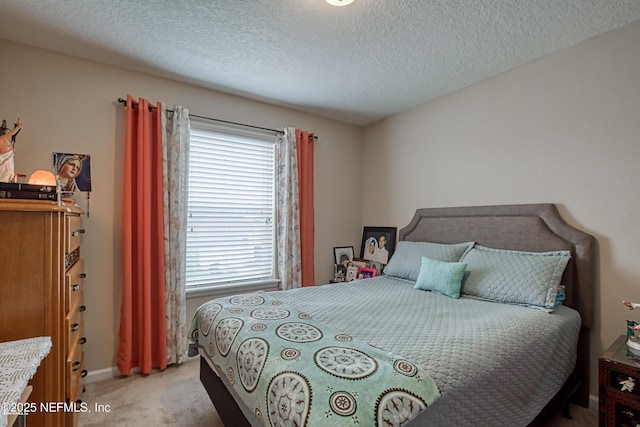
(11, 190)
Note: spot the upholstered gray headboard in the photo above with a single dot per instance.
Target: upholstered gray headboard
(535, 227)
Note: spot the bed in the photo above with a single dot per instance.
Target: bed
(488, 357)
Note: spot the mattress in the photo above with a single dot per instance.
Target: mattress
(494, 364)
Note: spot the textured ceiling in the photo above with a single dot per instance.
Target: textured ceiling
(356, 64)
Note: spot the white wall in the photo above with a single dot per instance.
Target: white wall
(563, 129)
(68, 104)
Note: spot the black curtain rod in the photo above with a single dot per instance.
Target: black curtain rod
(124, 102)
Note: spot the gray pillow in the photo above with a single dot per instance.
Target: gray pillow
(515, 277)
(407, 258)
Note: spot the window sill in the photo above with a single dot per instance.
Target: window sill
(206, 291)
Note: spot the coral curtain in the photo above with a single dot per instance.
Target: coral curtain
(304, 148)
(143, 326)
(175, 165)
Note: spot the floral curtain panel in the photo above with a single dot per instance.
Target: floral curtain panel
(175, 162)
(288, 211)
(295, 214)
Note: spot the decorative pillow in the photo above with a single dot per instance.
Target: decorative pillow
(515, 277)
(561, 295)
(440, 276)
(406, 260)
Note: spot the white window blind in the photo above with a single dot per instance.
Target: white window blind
(230, 226)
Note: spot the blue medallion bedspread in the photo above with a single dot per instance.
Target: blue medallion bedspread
(494, 364)
(293, 370)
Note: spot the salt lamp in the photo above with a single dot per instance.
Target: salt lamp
(41, 177)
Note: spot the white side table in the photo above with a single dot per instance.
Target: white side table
(19, 361)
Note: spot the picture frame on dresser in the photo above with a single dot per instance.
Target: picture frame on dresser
(366, 273)
(378, 243)
(379, 267)
(339, 272)
(343, 254)
(352, 273)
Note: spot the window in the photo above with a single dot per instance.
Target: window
(231, 208)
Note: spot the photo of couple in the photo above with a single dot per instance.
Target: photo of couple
(378, 244)
(376, 250)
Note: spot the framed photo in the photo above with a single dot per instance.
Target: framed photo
(352, 273)
(343, 254)
(359, 262)
(73, 171)
(378, 267)
(366, 273)
(378, 244)
(339, 272)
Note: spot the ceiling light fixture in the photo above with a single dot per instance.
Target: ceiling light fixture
(339, 2)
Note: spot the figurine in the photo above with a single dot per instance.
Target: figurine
(633, 328)
(631, 305)
(7, 140)
(627, 384)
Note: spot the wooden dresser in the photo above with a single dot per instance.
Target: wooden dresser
(41, 288)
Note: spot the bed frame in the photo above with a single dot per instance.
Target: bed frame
(535, 227)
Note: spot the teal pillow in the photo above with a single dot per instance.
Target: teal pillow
(441, 276)
(515, 277)
(406, 259)
(560, 296)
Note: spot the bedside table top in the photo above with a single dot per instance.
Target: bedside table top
(619, 352)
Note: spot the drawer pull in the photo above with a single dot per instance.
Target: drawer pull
(75, 327)
(83, 275)
(77, 233)
(76, 366)
(82, 308)
(75, 288)
(83, 373)
(83, 340)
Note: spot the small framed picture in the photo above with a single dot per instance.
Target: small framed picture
(339, 273)
(359, 262)
(378, 243)
(379, 267)
(352, 273)
(366, 272)
(343, 254)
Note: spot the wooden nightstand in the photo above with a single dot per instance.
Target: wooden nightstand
(619, 373)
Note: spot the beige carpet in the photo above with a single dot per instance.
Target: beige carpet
(175, 397)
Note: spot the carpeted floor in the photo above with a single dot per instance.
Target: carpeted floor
(175, 397)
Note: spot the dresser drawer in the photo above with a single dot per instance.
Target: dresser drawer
(74, 232)
(624, 380)
(75, 329)
(74, 286)
(74, 373)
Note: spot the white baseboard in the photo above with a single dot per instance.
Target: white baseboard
(104, 374)
(594, 401)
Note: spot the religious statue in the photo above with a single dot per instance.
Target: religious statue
(7, 141)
